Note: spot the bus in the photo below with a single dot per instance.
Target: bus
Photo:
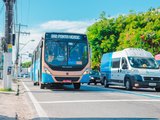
(61, 58)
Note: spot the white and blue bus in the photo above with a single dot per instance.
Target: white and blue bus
(61, 58)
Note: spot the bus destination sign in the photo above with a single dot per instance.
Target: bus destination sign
(64, 36)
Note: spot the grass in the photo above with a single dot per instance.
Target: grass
(6, 90)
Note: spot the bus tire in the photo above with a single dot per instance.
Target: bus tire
(157, 89)
(128, 85)
(102, 83)
(106, 83)
(42, 86)
(77, 86)
(34, 83)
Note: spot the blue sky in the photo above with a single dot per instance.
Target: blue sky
(35, 12)
(67, 15)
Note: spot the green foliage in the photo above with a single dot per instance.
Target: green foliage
(26, 64)
(6, 90)
(140, 30)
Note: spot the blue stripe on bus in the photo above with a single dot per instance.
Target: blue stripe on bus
(47, 78)
(36, 67)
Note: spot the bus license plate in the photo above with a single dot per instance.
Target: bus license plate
(67, 81)
(152, 84)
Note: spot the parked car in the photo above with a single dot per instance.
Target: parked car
(94, 77)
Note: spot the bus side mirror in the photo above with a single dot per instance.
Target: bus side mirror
(41, 44)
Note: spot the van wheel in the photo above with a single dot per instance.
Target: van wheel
(77, 86)
(128, 85)
(106, 83)
(157, 89)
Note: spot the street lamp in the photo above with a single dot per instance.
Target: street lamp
(24, 44)
(17, 55)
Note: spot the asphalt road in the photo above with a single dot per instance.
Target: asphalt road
(94, 103)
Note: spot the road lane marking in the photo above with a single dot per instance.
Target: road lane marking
(41, 113)
(93, 101)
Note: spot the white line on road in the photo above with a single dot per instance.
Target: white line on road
(92, 101)
(41, 113)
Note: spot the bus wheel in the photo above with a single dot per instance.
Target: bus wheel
(77, 85)
(106, 83)
(128, 85)
(34, 83)
(157, 89)
(42, 86)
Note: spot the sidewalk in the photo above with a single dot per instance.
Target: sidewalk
(13, 107)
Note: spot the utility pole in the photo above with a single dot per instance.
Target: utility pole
(17, 47)
(7, 78)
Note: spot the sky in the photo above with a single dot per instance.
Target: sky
(66, 15)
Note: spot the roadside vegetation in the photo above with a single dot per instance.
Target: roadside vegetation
(136, 30)
(6, 90)
(26, 64)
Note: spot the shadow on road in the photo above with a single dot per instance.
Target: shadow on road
(134, 89)
(7, 118)
(99, 88)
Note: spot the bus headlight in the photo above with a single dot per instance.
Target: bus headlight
(86, 71)
(47, 71)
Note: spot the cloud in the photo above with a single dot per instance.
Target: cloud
(66, 26)
(52, 26)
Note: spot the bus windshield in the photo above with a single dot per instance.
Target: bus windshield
(62, 53)
(140, 62)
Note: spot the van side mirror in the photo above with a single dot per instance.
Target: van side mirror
(124, 66)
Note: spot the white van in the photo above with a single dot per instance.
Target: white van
(131, 67)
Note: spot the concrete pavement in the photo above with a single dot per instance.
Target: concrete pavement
(16, 107)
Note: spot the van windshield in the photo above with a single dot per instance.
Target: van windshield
(140, 62)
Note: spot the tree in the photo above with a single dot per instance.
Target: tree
(102, 37)
(26, 64)
(140, 30)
